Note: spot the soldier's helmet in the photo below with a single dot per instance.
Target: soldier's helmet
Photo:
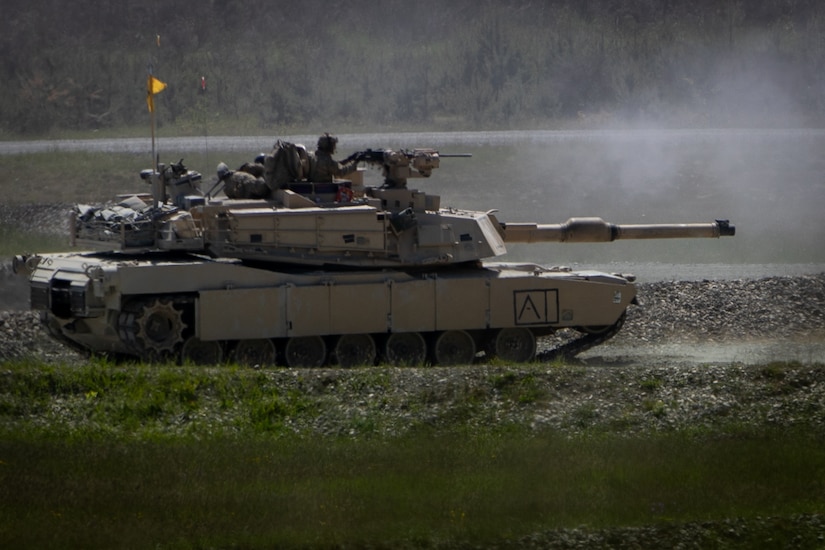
(327, 143)
(223, 171)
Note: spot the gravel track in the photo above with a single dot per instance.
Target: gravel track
(657, 374)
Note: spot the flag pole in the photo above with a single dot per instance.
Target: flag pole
(150, 102)
(154, 86)
(152, 122)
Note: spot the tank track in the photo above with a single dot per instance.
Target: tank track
(133, 332)
(129, 331)
(570, 349)
(50, 325)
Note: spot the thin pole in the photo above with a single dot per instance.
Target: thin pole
(151, 104)
(152, 122)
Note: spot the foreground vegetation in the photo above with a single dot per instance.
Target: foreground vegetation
(100, 456)
(425, 489)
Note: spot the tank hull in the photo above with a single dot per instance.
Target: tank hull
(163, 306)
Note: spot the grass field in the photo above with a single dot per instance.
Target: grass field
(71, 177)
(425, 488)
(15, 241)
(93, 457)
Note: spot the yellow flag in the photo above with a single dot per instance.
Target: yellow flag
(153, 86)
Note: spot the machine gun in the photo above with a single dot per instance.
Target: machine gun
(398, 166)
(173, 181)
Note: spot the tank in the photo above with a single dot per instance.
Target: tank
(268, 267)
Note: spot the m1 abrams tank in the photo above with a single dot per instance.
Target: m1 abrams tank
(314, 273)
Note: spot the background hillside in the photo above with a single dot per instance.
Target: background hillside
(459, 64)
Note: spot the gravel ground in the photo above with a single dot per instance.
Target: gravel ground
(655, 375)
(803, 530)
(43, 218)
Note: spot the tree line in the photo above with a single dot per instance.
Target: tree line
(430, 63)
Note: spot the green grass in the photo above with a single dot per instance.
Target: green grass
(57, 177)
(15, 241)
(424, 488)
(102, 456)
(69, 177)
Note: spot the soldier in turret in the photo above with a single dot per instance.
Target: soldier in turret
(256, 168)
(239, 184)
(323, 167)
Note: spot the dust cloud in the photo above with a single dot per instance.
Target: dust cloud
(747, 154)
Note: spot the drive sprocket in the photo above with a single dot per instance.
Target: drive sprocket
(160, 326)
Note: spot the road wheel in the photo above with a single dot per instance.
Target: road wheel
(305, 351)
(454, 347)
(515, 345)
(260, 351)
(405, 349)
(353, 350)
(198, 352)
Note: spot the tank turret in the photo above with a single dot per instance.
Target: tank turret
(392, 225)
(268, 266)
(345, 223)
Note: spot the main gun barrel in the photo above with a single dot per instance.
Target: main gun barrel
(596, 230)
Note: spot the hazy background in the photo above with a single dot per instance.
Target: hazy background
(770, 184)
(275, 66)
